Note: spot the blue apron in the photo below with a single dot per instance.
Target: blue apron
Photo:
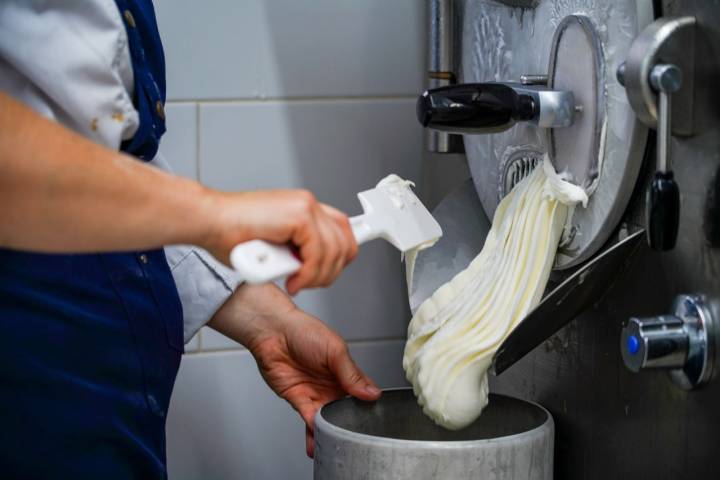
(90, 344)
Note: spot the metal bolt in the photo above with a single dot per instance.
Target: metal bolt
(620, 74)
(666, 78)
(533, 79)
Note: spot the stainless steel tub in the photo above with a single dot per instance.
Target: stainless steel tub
(393, 439)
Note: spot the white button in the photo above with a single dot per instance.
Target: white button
(143, 258)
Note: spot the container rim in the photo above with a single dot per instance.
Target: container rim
(323, 424)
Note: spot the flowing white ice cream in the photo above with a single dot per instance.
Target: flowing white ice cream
(455, 333)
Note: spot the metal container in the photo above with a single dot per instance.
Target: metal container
(392, 439)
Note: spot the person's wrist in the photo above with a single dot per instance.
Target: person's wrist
(253, 314)
(272, 313)
(213, 224)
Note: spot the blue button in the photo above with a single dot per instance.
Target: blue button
(633, 344)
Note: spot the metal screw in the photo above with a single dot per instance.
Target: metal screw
(533, 79)
(666, 78)
(620, 74)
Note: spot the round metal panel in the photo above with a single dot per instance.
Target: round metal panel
(501, 42)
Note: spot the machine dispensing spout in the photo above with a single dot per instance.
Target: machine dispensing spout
(473, 108)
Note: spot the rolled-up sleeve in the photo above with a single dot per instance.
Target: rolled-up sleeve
(203, 284)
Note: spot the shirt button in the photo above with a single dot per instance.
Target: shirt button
(129, 19)
(160, 109)
(144, 258)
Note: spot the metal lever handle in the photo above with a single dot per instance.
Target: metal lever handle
(663, 197)
(474, 108)
(663, 212)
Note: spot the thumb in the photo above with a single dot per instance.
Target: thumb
(352, 379)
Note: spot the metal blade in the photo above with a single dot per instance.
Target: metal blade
(582, 289)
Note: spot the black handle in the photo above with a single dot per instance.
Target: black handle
(474, 108)
(663, 211)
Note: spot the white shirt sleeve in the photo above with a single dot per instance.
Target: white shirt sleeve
(70, 61)
(203, 285)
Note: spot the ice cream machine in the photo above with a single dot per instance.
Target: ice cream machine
(622, 95)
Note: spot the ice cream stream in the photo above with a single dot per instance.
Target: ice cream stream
(455, 333)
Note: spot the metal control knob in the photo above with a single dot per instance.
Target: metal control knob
(683, 342)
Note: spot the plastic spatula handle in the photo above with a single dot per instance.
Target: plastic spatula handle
(258, 261)
(663, 211)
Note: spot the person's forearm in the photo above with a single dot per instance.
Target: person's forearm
(62, 193)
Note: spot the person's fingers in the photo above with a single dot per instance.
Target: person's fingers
(351, 378)
(340, 257)
(309, 443)
(307, 411)
(328, 254)
(343, 241)
(331, 251)
(348, 241)
(325, 242)
(310, 249)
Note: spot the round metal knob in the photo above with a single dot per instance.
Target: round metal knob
(682, 342)
(654, 342)
(666, 78)
(620, 73)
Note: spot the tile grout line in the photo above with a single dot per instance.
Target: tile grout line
(351, 343)
(198, 174)
(274, 100)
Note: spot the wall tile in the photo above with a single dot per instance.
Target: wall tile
(225, 423)
(213, 340)
(335, 149)
(382, 361)
(284, 48)
(179, 144)
(194, 344)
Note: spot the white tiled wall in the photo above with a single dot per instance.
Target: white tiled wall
(317, 94)
(225, 49)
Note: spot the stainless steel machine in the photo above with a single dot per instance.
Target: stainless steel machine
(623, 97)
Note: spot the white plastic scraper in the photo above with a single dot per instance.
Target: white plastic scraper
(391, 211)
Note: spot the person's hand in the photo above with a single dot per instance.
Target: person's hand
(321, 234)
(308, 365)
(300, 358)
